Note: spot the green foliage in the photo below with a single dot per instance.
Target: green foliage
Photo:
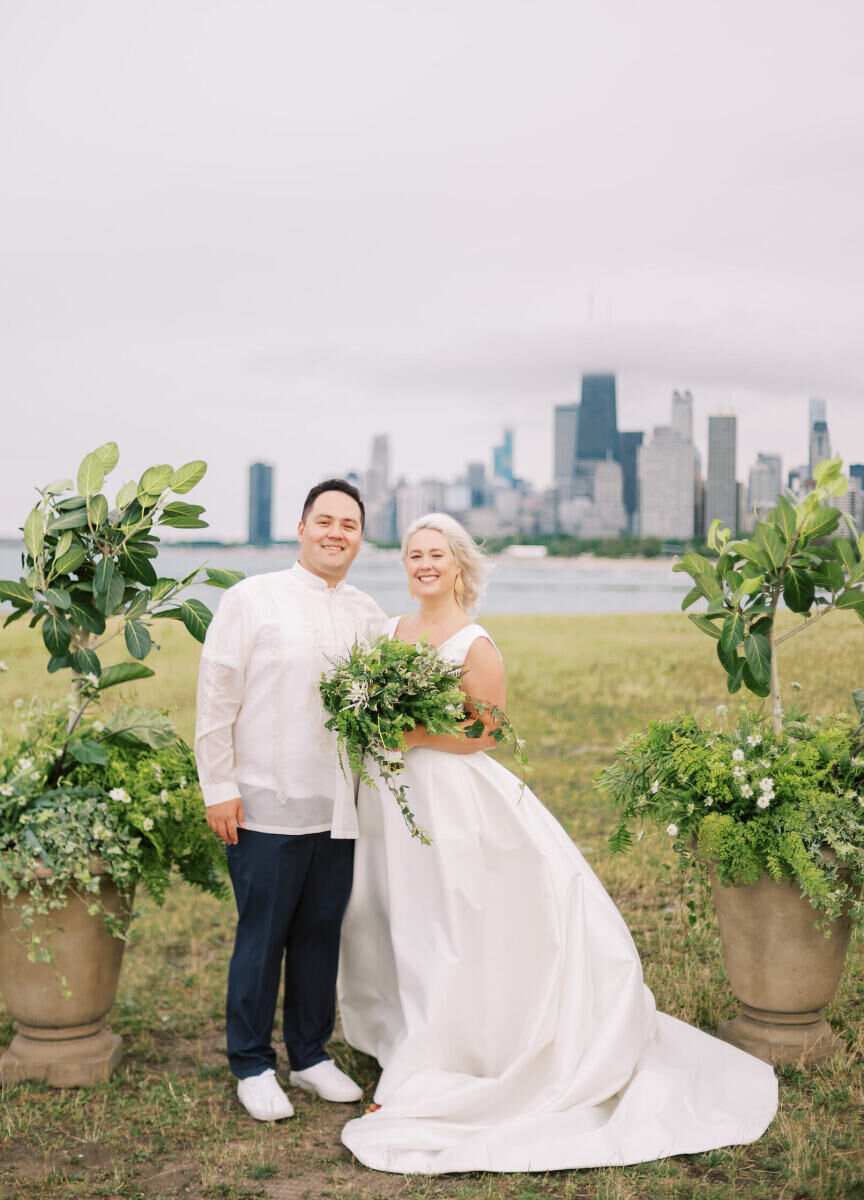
(784, 559)
(129, 811)
(751, 801)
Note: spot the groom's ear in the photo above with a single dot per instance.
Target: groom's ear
(300, 528)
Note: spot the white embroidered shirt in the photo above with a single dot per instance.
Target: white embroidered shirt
(260, 723)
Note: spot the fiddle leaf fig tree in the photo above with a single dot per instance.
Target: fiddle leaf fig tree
(785, 559)
(89, 578)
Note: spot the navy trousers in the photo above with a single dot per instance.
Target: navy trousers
(291, 892)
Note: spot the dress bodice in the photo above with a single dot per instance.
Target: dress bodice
(456, 648)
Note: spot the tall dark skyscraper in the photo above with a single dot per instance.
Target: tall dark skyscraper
(629, 444)
(566, 441)
(260, 504)
(598, 419)
(502, 458)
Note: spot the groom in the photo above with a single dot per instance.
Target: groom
(276, 795)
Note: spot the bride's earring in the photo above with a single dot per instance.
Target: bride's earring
(459, 588)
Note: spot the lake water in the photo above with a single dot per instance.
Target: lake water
(550, 585)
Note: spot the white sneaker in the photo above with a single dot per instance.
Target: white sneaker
(263, 1098)
(328, 1082)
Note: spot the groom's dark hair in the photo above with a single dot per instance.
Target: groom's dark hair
(334, 485)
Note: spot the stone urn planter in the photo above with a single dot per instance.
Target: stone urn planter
(782, 968)
(62, 1041)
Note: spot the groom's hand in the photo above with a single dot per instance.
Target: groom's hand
(225, 819)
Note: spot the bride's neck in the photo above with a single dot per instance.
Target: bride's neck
(437, 611)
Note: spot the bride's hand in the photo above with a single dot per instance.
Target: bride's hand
(414, 737)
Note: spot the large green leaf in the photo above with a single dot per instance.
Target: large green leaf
(56, 633)
(196, 617)
(56, 486)
(829, 575)
(58, 597)
(155, 480)
(798, 589)
(76, 518)
(97, 510)
(182, 516)
(126, 495)
(70, 561)
(16, 593)
(704, 623)
(138, 605)
(91, 475)
(15, 615)
(34, 532)
(846, 552)
(732, 633)
(728, 658)
(63, 544)
(138, 640)
(746, 550)
(769, 543)
(692, 596)
(109, 456)
(88, 751)
(185, 477)
(83, 615)
(133, 726)
(217, 577)
(851, 598)
(735, 678)
(784, 516)
(103, 575)
(86, 662)
(135, 563)
(755, 685)
(757, 651)
(58, 662)
(108, 602)
(820, 523)
(161, 588)
(858, 701)
(123, 673)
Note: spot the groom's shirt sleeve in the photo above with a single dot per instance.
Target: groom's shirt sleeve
(221, 684)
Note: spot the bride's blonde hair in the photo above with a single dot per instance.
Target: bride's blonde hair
(469, 557)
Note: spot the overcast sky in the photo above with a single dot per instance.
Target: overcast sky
(242, 230)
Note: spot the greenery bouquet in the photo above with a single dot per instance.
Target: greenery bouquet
(378, 692)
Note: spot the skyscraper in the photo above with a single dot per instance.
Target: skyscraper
(502, 459)
(816, 412)
(566, 442)
(598, 419)
(378, 475)
(721, 489)
(260, 504)
(629, 443)
(820, 445)
(682, 415)
(667, 484)
(764, 485)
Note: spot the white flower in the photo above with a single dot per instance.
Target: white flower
(722, 708)
(164, 797)
(182, 781)
(766, 784)
(795, 685)
(147, 824)
(655, 787)
(3, 666)
(738, 755)
(769, 795)
(739, 772)
(849, 795)
(119, 794)
(672, 830)
(746, 789)
(763, 762)
(640, 835)
(92, 679)
(710, 742)
(98, 726)
(25, 764)
(709, 800)
(6, 789)
(753, 739)
(99, 831)
(691, 807)
(763, 801)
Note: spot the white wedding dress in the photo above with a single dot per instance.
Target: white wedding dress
(497, 985)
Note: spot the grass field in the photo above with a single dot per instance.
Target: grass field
(168, 1123)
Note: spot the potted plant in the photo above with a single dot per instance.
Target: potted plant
(93, 802)
(771, 806)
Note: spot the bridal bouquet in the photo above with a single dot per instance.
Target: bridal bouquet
(377, 693)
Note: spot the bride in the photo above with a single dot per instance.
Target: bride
(491, 975)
